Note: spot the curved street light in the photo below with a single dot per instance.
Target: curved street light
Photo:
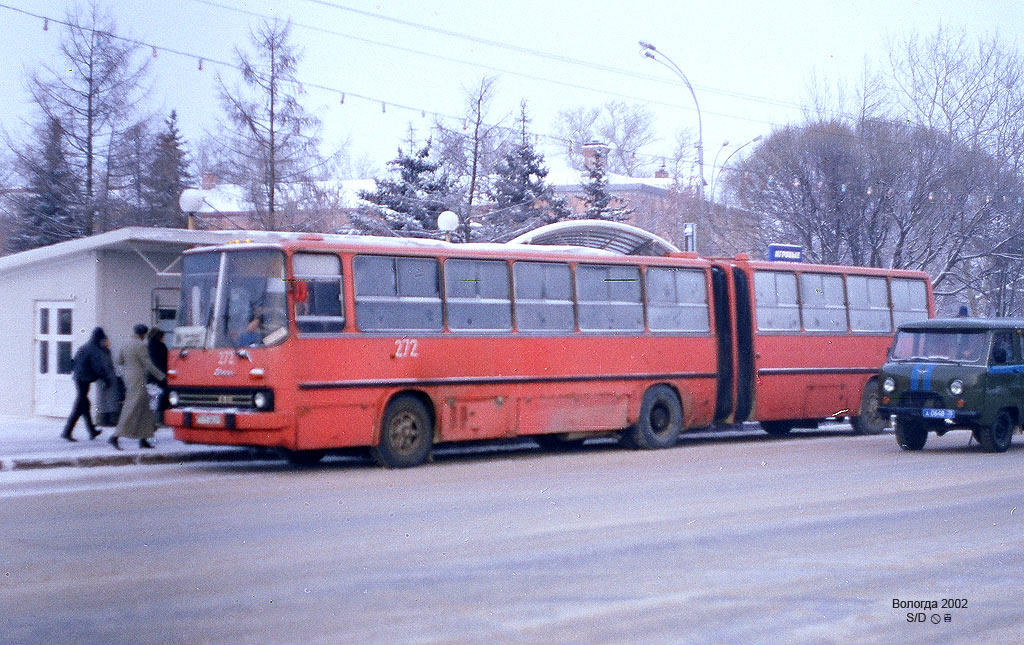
(650, 51)
(714, 182)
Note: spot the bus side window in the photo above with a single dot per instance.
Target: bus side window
(321, 312)
(397, 293)
(909, 301)
(543, 296)
(822, 302)
(477, 295)
(869, 304)
(609, 298)
(677, 300)
(776, 301)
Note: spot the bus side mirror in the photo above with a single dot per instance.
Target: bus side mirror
(300, 290)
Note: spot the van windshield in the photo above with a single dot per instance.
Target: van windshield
(942, 345)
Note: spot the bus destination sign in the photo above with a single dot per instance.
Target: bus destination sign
(785, 253)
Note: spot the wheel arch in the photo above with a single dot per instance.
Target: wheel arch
(419, 395)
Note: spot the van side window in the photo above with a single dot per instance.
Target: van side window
(1005, 350)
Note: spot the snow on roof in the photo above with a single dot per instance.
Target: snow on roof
(568, 180)
(231, 198)
(129, 238)
(619, 238)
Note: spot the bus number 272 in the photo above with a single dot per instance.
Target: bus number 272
(406, 348)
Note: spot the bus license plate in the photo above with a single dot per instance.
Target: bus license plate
(936, 413)
(209, 419)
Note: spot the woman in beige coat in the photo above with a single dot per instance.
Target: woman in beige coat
(137, 419)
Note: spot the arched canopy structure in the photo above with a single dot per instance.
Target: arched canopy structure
(599, 234)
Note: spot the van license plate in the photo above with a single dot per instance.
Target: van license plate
(209, 419)
(936, 413)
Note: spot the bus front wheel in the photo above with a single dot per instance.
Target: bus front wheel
(406, 434)
(660, 422)
(868, 420)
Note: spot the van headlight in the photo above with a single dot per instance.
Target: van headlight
(889, 385)
(956, 387)
(173, 398)
(261, 401)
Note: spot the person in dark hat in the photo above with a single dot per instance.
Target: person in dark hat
(136, 419)
(90, 363)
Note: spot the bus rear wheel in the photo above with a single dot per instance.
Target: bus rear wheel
(996, 436)
(868, 421)
(660, 422)
(406, 434)
(911, 434)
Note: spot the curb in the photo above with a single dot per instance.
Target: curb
(130, 459)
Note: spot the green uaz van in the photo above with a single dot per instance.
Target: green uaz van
(944, 374)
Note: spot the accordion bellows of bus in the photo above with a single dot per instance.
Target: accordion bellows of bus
(321, 342)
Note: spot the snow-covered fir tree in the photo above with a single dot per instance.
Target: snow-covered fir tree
(598, 201)
(411, 199)
(51, 210)
(167, 175)
(522, 198)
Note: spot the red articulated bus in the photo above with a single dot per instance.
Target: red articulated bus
(312, 343)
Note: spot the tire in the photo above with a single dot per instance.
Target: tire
(868, 421)
(996, 437)
(911, 434)
(304, 458)
(777, 428)
(660, 422)
(406, 434)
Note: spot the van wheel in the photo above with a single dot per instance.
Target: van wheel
(777, 428)
(660, 422)
(868, 421)
(996, 437)
(406, 434)
(910, 434)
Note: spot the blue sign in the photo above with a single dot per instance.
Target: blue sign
(785, 253)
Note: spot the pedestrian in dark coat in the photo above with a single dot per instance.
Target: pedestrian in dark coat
(110, 395)
(136, 417)
(88, 366)
(158, 354)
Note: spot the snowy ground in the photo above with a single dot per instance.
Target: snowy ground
(35, 442)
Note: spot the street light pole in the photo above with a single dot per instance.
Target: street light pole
(650, 51)
(714, 182)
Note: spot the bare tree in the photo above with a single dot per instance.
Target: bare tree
(272, 146)
(627, 129)
(94, 92)
(472, 153)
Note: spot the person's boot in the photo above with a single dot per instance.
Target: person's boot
(143, 443)
(66, 435)
(93, 433)
(113, 441)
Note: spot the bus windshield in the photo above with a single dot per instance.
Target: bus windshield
(942, 345)
(232, 299)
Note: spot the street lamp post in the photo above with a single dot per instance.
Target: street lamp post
(650, 51)
(718, 173)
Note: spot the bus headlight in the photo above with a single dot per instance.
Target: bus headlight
(172, 397)
(956, 388)
(889, 385)
(260, 400)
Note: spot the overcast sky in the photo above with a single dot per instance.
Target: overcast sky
(749, 62)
